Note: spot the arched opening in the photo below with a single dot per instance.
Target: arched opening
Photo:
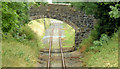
(75, 18)
(43, 28)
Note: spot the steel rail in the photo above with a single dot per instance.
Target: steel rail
(61, 50)
(50, 47)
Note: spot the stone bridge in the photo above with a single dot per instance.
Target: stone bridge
(66, 13)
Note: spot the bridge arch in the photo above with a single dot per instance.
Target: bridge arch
(75, 18)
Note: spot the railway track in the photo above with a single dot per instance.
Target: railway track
(50, 49)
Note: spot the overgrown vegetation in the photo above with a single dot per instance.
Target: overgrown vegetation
(20, 46)
(102, 56)
(14, 15)
(41, 3)
(19, 43)
(107, 14)
(22, 52)
(101, 47)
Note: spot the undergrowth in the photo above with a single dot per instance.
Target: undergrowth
(19, 50)
(102, 54)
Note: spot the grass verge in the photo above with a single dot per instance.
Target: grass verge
(103, 56)
(20, 53)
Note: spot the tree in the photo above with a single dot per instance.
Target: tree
(14, 14)
(105, 12)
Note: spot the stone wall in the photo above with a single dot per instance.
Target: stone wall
(76, 19)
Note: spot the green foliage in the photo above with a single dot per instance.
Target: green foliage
(14, 15)
(115, 12)
(103, 39)
(102, 56)
(24, 33)
(41, 3)
(17, 36)
(87, 7)
(102, 11)
(97, 43)
(23, 52)
(89, 41)
(16, 53)
(27, 59)
(26, 30)
(105, 56)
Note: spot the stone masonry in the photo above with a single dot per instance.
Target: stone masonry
(75, 18)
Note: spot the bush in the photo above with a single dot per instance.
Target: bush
(29, 34)
(103, 39)
(14, 15)
(97, 43)
(24, 33)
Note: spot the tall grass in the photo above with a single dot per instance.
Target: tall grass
(20, 53)
(16, 54)
(103, 56)
(30, 35)
(87, 42)
(22, 50)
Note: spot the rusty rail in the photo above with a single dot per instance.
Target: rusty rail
(61, 50)
(50, 47)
